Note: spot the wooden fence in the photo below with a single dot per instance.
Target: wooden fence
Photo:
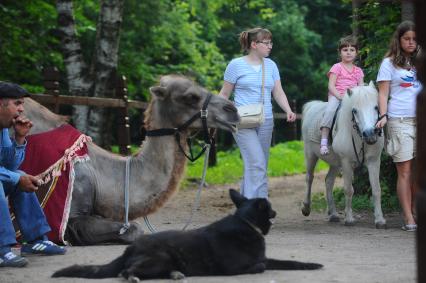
(52, 97)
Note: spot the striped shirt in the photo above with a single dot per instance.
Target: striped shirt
(247, 80)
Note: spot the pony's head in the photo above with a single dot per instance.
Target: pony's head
(365, 111)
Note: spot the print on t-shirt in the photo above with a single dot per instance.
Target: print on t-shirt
(410, 80)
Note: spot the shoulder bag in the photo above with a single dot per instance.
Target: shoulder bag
(252, 116)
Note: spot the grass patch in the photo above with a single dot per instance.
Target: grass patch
(285, 159)
(360, 203)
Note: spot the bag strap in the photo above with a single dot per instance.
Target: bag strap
(263, 81)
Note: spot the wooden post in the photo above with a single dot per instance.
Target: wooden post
(123, 113)
(420, 11)
(51, 77)
(407, 10)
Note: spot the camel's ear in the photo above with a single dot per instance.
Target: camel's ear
(159, 91)
(236, 197)
(371, 84)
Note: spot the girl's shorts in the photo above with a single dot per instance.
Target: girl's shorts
(401, 138)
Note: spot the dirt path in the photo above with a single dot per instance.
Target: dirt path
(349, 254)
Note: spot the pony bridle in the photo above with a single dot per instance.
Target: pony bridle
(202, 114)
(355, 125)
(377, 131)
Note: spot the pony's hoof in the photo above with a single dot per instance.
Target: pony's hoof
(177, 275)
(306, 210)
(133, 279)
(381, 225)
(334, 218)
(349, 223)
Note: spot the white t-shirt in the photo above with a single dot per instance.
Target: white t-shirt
(404, 88)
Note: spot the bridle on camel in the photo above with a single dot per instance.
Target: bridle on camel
(208, 140)
(377, 131)
(202, 114)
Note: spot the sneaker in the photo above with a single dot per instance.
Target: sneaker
(324, 149)
(12, 260)
(43, 247)
(409, 227)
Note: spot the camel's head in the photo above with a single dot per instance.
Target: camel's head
(176, 99)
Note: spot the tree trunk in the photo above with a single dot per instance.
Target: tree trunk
(76, 68)
(356, 4)
(105, 64)
(99, 80)
(407, 10)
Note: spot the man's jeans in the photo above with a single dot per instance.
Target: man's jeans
(31, 219)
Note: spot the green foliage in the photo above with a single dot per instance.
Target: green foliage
(285, 159)
(191, 37)
(26, 41)
(174, 39)
(378, 20)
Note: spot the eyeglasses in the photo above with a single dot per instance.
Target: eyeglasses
(270, 43)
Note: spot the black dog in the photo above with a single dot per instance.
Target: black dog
(230, 246)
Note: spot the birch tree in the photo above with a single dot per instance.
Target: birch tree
(93, 78)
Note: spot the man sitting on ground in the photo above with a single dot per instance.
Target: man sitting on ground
(17, 187)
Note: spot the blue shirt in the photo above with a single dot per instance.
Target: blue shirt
(247, 80)
(11, 157)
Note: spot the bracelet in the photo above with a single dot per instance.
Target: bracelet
(383, 116)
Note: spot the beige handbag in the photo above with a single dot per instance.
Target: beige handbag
(252, 116)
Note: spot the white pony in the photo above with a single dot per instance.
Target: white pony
(355, 141)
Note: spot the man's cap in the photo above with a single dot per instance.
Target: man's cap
(11, 90)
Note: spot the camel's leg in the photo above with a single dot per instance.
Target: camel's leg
(373, 174)
(349, 191)
(329, 184)
(310, 161)
(93, 230)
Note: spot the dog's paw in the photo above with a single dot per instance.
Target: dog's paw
(176, 275)
(133, 279)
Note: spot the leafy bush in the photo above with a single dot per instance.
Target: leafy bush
(388, 177)
(359, 202)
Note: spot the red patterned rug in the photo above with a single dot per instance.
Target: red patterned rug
(51, 156)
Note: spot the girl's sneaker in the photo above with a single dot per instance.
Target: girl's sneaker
(324, 147)
(12, 260)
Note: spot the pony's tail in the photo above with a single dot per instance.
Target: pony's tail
(111, 269)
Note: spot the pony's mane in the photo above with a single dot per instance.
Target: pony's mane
(359, 97)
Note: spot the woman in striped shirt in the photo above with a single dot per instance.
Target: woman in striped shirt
(243, 78)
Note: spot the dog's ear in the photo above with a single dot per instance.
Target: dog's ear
(236, 197)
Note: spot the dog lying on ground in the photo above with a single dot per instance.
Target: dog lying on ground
(233, 245)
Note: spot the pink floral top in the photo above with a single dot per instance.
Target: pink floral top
(344, 78)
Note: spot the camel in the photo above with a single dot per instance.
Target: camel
(97, 208)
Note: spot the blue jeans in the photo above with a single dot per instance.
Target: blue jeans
(254, 146)
(28, 213)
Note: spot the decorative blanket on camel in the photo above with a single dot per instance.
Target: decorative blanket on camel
(51, 156)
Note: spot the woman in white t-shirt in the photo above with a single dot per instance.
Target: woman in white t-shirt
(243, 77)
(398, 82)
